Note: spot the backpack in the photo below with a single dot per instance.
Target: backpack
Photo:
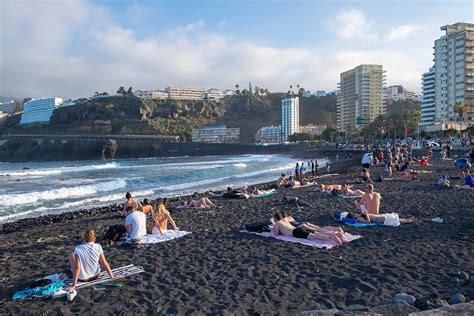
(114, 233)
(258, 227)
(442, 180)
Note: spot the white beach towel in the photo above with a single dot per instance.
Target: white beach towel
(168, 235)
(312, 243)
(124, 271)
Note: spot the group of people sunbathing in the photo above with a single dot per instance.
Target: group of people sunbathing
(291, 182)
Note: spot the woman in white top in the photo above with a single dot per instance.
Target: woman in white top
(85, 260)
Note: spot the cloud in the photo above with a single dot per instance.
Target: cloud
(402, 31)
(353, 24)
(76, 49)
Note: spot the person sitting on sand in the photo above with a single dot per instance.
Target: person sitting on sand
(424, 162)
(130, 202)
(370, 202)
(147, 207)
(85, 260)
(292, 183)
(255, 191)
(468, 180)
(283, 227)
(347, 191)
(135, 224)
(161, 216)
(203, 202)
(365, 175)
(282, 182)
(389, 219)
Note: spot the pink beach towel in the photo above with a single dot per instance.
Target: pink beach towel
(312, 243)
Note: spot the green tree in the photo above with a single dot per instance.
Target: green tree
(300, 137)
(329, 134)
(237, 91)
(461, 109)
(129, 91)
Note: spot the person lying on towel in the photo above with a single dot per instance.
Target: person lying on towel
(347, 191)
(85, 259)
(292, 183)
(255, 191)
(161, 216)
(203, 202)
(389, 219)
(303, 231)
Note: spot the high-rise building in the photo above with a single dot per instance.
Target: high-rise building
(361, 97)
(454, 72)
(290, 116)
(39, 111)
(428, 99)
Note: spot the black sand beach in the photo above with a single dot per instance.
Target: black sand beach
(217, 270)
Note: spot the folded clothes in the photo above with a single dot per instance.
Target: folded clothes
(312, 243)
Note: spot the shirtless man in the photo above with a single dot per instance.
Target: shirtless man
(325, 229)
(281, 182)
(255, 191)
(347, 191)
(283, 227)
(130, 202)
(389, 219)
(370, 202)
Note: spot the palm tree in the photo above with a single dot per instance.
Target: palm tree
(461, 109)
(291, 89)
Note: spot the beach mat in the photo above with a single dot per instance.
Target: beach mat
(351, 222)
(312, 243)
(263, 195)
(167, 236)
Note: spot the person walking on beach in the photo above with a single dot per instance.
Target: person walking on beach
(316, 172)
(312, 168)
(370, 202)
(86, 259)
(388, 165)
(328, 165)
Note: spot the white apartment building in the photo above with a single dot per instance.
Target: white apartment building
(229, 92)
(214, 94)
(268, 135)
(151, 94)
(218, 134)
(397, 93)
(7, 107)
(360, 99)
(320, 93)
(290, 117)
(454, 72)
(39, 111)
(428, 113)
(177, 93)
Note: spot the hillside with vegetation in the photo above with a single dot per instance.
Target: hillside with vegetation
(131, 115)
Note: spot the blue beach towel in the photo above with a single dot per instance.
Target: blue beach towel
(266, 194)
(40, 291)
(351, 221)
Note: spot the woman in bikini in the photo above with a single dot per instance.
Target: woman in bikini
(201, 203)
(161, 216)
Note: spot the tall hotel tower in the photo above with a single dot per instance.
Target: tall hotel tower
(290, 116)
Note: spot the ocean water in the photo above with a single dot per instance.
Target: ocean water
(34, 189)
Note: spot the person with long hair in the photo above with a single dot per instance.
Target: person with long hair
(86, 259)
(161, 216)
